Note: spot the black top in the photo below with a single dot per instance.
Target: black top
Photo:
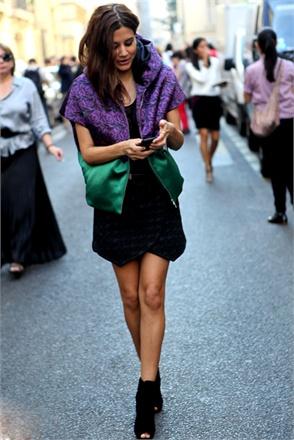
(137, 166)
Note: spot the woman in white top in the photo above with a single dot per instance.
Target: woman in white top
(205, 75)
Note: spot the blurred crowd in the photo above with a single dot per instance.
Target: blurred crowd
(52, 80)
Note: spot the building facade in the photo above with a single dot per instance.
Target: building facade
(200, 18)
(40, 29)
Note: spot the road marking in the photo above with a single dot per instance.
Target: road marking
(242, 145)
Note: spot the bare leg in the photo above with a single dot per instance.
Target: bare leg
(204, 146)
(215, 135)
(128, 281)
(142, 287)
(151, 294)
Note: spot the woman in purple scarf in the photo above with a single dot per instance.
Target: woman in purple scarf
(125, 95)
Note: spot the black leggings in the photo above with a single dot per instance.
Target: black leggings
(278, 149)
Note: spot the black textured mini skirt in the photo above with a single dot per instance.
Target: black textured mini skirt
(149, 223)
(207, 111)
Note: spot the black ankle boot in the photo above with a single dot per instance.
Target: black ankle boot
(144, 422)
(157, 399)
(278, 218)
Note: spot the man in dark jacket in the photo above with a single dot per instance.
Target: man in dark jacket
(34, 73)
(65, 74)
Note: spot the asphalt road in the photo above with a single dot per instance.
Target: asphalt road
(69, 371)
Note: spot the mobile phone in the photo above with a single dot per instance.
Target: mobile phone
(146, 142)
(221, 84)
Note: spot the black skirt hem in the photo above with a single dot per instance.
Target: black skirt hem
(137, 257)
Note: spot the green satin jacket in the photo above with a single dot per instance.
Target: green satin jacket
(106, 183)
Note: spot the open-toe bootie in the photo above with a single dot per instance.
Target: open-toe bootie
(157, 398)
(144, 423)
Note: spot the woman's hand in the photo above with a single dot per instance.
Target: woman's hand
(134, 151)
(205, 57)
(165, 130)
(56, 152)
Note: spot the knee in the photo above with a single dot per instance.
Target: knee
(204, 136)
(130, 299)
(153, 297)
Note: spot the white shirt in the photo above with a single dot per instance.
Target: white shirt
(166, 57)
(204, 79)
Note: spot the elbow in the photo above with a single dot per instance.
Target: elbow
(86, 156)
(175, 147)
(179, 145)
(176, 144)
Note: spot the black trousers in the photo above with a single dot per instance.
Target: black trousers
(278, 149)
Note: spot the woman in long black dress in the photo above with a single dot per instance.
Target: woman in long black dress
(127, 94)
(29, 230)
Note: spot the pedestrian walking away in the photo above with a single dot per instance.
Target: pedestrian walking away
(34, 73)
(260, 79)
(166, 54)
(76, 67)
(205, 75)
(179, 66)
(65, 73)
(29, 230)
(126, 95)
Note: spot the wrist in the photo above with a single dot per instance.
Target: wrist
(122, 148)
(49, 146)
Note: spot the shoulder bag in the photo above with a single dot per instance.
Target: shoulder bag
(265, 121)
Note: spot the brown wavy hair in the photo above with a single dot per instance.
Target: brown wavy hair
(96, 46)
(7, 49)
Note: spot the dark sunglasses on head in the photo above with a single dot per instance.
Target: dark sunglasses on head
(6, 57)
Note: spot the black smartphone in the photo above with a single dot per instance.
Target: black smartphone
(221, 84)
(146, 142)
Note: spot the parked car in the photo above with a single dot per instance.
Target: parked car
(238, 25)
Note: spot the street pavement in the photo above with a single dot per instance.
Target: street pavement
(69, 371)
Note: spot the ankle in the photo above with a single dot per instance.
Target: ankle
(149, 374)
(149, 377)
